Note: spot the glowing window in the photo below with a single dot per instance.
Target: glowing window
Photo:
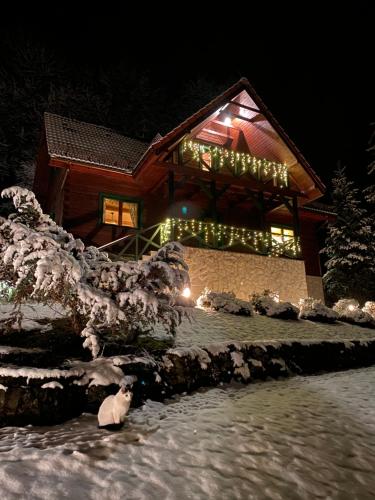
(281, 234)
(120, 212)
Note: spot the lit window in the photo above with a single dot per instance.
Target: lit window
(281, 234)
(120, 212)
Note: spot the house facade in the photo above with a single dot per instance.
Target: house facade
(227, 182)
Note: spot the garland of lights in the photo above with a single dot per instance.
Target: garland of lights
(241, 163)
(177, 229)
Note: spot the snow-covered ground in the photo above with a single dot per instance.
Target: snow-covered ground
(210, 327)
(306, 437)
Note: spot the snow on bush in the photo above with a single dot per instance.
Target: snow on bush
(267, 304)
(369, 308)
(45, 263)
(349, 312)
(314, 310)
(224, 302)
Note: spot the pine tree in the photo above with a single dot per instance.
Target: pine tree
(350, 267)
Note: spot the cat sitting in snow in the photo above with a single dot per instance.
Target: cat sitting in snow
(113, 410)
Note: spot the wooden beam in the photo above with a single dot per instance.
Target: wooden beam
(244, 118)
(296, 222)
(246, 107)
(170, 187)
(242, 181)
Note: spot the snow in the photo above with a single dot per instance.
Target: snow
(46, 263)
(52, 385)
(39, 373)
(224, 302)
(193, 352)
(100, 371)
(305, 437)
(3, 388)
(210, 329)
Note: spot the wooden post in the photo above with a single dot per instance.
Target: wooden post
(296, 223)
(213, 200)
(262, 212)
(170, 188)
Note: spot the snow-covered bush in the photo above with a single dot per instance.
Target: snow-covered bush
(267, 303)
(314, 310)
(224, 302)
(46, 264)
(369, 308)
(6, 292)
(350, 312)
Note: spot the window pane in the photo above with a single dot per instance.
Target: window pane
(111, 210)
(129, 214)
(288, 233)
(276, 230)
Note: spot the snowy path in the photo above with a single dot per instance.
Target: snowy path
(209, 327)
(299, 438)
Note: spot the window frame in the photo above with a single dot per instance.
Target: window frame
(121, 199)
(283, 227)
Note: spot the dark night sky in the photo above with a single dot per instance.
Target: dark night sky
(313, 67)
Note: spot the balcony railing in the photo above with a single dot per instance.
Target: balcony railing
(221, 237)
(191, 232)
(219, 159)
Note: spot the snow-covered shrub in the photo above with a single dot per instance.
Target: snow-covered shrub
(46, 264)
(224, 302)
(314, 310)
(369, 308)
(6, 292)
(267, 303)
(350, 312)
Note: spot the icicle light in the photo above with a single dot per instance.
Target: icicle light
(238, 163)
(220, 236)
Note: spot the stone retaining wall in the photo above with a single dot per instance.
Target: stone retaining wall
(24, 400)
(244, 274)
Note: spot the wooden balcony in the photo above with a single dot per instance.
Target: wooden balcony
(193, 232)
(218, 159)
(196, 233)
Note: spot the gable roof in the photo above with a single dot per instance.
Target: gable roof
(232, 92)
(93, 144)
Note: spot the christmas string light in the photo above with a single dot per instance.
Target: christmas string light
(240, 163)
(222, 236)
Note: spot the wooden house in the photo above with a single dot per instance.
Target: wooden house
(227, 182)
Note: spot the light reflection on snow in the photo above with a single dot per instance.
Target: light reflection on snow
(311, 437)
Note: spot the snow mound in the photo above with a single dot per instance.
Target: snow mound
(267, 305)
(349, 312)
(224, 302)
(369, 308)
(314, 310)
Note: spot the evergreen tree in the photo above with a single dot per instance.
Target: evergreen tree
(350, 267)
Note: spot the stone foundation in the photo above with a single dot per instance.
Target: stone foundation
(315, 287)
(244, 274)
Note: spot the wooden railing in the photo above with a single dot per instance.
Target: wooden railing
(217, 159)
(191, 232)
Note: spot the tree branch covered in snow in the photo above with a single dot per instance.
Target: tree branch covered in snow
(47, 264)
(349, 245)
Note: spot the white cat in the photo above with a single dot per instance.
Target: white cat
(113, 410)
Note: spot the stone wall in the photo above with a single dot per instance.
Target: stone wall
(315, 287)
(245, 273)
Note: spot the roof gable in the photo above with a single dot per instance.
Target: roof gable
(260, 134)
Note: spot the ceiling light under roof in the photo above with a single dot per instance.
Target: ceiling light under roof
(228, 121)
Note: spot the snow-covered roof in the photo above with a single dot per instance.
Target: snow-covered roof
(88, 143)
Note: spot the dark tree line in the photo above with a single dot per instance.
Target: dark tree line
(34, 80)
